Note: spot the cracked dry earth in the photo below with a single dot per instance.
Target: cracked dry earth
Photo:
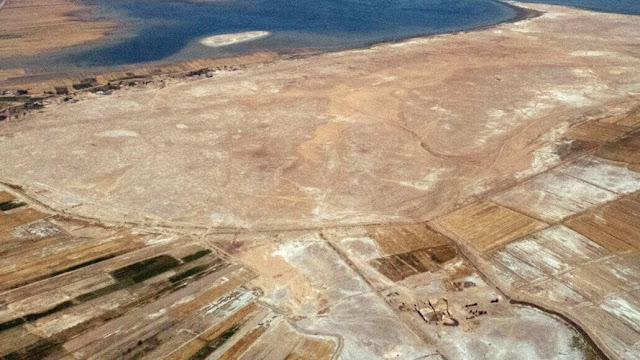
(472, 195)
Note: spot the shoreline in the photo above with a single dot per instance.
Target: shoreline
(520, 8)
(149, 69)
(522, 14)
(586, 8)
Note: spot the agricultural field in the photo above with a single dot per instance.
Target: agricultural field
(584, 262)
(73, 289)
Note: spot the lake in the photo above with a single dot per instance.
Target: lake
(172, 30)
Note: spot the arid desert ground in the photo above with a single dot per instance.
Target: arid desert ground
(462, 196)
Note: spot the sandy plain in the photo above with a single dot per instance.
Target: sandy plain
(457, 196)
(31, 27)
(396, 133)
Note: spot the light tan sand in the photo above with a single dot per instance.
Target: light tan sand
(230, 39)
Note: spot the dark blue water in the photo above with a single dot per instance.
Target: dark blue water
(630, 7)
(170, 29)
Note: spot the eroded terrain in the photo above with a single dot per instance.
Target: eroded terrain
(472, 195)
